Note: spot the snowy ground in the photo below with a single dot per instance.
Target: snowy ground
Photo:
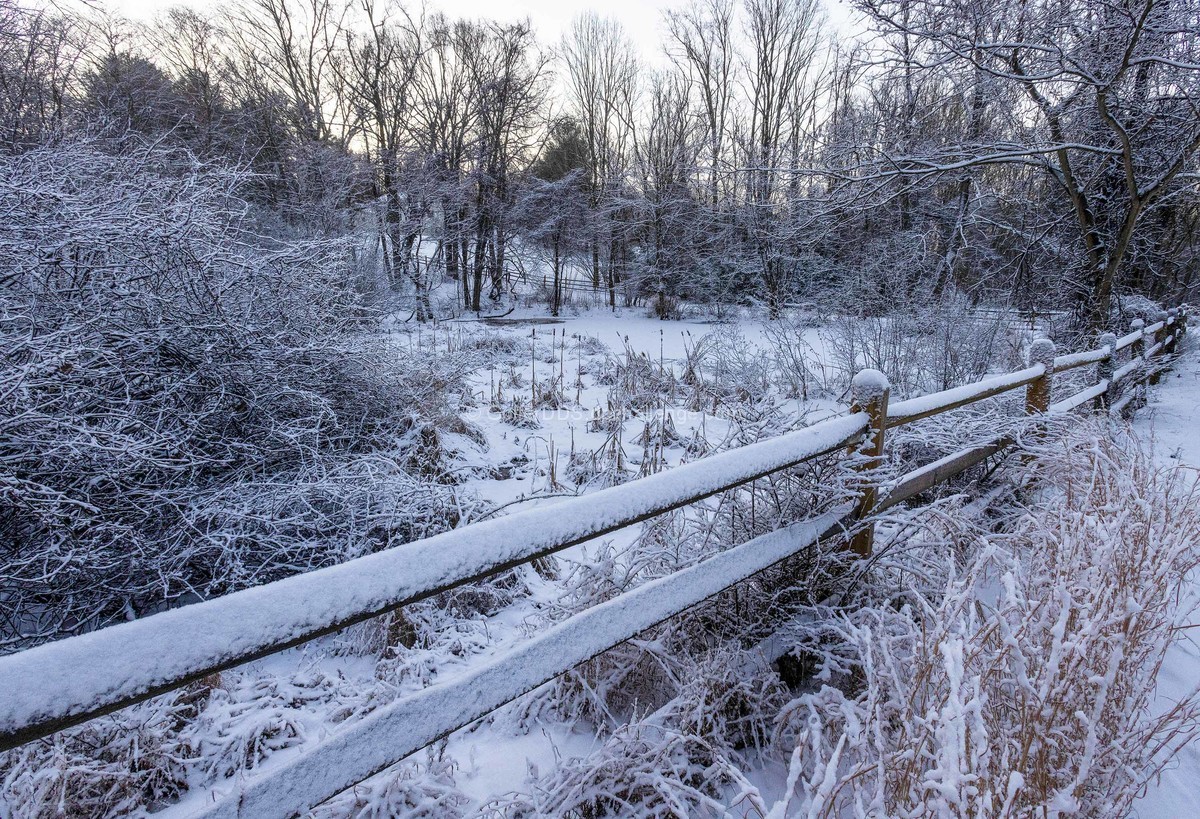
(294, 699)
(560, 430)
(1172, 421)
(523, 466)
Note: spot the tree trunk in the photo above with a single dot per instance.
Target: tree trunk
(556, 295)
(465, 259)
(480, 262)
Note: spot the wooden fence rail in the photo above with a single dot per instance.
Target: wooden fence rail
(61, 684)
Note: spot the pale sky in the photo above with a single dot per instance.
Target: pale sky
(642, 19)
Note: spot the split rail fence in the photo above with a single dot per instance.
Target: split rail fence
(61, 684)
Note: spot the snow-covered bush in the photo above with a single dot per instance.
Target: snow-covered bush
(922, 349)
(1128, 308)
(409, 790)
(801, 367)
(724, 372)
(643, 770)
(520, 413)
(187, 407)
(111, 767)
(638, 383)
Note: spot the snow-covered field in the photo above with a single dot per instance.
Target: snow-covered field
(557, 408)
(587, 432)
(560, 345)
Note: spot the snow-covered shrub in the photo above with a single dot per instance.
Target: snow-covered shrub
(922, 349)
(725, 371)
(643, 770)
(638, 383)
(660, 432)
(1130, 307)
(410, 790)
(914, 445)
(799, 364)
(611, 420)
(111, 767)
(494, 345)
(146, 757)
(186, 407)
(681, 749)
(519, 412)
(549, 394)
(258, 530)
(603, 466)
(1023, 685)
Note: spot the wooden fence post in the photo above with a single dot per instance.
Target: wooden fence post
(869, 392)
(1037, 394)
(1139, 345)
(1173, 338)
(1104, 372)
(1160, 337)
(1137, 352)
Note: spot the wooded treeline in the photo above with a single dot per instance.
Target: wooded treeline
(1040, 152)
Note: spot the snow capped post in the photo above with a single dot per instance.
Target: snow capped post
(869, 392)
(1173, 337)
(1160, 338)
(1138, 347)
(1137, 326)
(1137, 352)
(1104, 371)
(1037, 394)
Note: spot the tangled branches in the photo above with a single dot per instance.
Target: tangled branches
(185, 406)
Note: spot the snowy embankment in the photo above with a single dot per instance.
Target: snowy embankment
(1172, 422)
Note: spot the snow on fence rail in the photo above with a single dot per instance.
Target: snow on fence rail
(129, 662)
(45, 691)
(410, 723)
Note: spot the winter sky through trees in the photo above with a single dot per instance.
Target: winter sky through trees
(642, 19)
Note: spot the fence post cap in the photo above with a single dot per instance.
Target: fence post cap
(1137, 324)
(1108, 340)
(868, 384)
(1042, 351)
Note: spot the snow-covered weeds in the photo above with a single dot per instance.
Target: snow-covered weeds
(923, 349)
(1026, 686)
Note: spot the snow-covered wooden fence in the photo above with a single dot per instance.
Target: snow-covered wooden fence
(60, 684)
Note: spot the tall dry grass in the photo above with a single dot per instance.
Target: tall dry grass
(1027, 688)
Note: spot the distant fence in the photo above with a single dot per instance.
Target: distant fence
(62, 684)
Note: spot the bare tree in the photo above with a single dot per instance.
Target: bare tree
(378, 68)
(669, 219)
(288, 47)
(602, 81)
(441, 126)
(702, 43)
(784, 37)
(1108, 114)
(40, 53)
